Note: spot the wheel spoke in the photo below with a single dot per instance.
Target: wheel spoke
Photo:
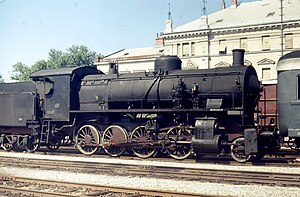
(107, 136)
(81, 135)
(109, 133)
(83, 131)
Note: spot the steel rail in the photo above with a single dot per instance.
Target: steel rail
(107, 188)
(216, 175)
(17, 191)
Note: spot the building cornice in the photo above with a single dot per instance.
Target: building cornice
(232, 30)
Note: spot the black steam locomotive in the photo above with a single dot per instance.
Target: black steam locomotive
(178, 111)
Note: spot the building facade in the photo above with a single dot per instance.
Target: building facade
(131, 60)
(266, 29)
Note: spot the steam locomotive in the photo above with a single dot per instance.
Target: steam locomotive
(180, 112)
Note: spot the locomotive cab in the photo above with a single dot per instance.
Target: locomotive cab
(59, 90)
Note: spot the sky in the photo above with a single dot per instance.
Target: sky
(30, 28)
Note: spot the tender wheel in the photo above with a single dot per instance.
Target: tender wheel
(140, 135)
(113, 140)
(32, 144)
(87, 139)
(180, 138)
(238, 150)
(294, 144)
(8, 143)
(53, 144)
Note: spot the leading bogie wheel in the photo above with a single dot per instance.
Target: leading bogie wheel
(238, 150)
(87, 139)
(180, 142)
(141, 135)
(113, 139)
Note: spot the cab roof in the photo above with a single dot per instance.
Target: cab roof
(79, 70)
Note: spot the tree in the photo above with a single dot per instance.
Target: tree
(57, 59)
(75, 55)
(39, 65)
(80, 55)
(21, 72)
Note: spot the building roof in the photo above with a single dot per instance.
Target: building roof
(137, 53)
(245, 14)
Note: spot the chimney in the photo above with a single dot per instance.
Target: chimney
(234, 3)
(238, 57)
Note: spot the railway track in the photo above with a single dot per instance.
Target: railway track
(49, 188)
(284, 159)
(161, 172)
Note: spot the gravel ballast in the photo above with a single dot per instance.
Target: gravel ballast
(145, 162)
(151, 183)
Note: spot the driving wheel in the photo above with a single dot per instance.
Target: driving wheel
(113, 140)
(87, 139)
(180, 142)
(141, 135)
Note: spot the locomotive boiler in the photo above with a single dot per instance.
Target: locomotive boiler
(214, 105)
(209, 111)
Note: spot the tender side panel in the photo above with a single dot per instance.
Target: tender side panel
(15, 109)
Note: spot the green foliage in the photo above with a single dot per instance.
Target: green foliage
(21, 72)
(80, 55)
(57, 59)
(39, 65)
(75, 55)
